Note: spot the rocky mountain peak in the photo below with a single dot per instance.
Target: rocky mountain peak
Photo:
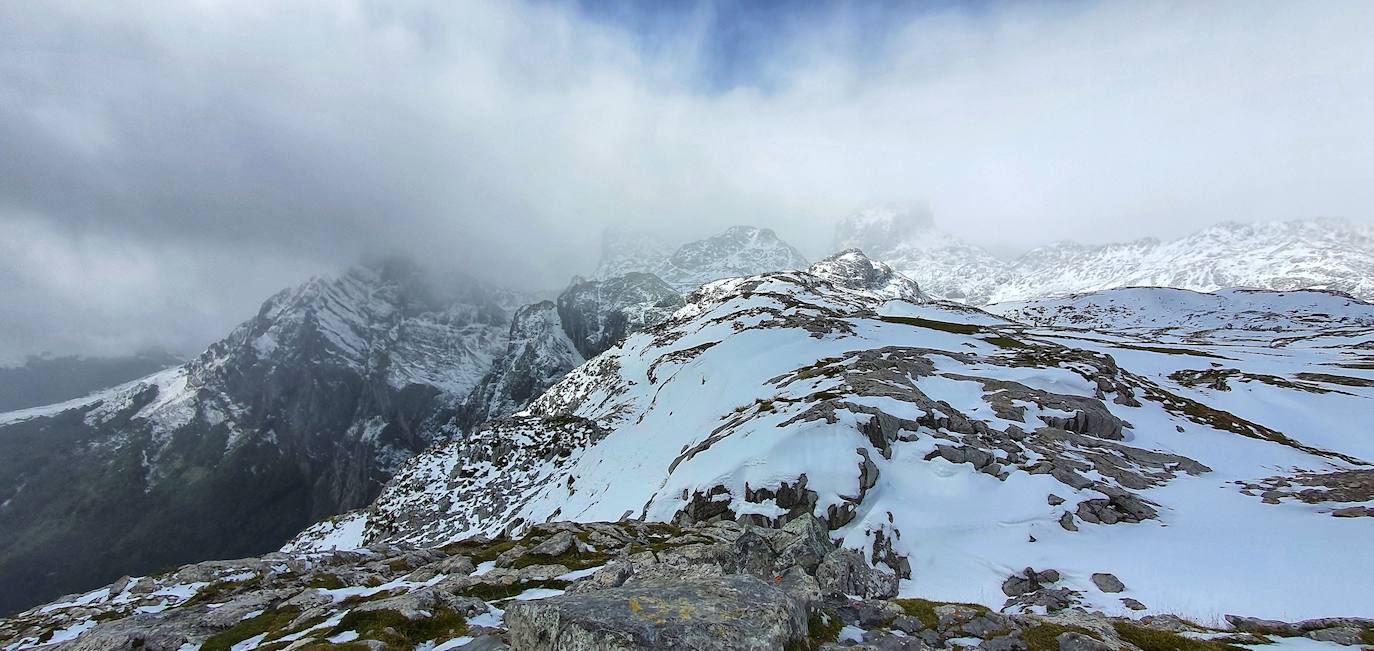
(851, 268)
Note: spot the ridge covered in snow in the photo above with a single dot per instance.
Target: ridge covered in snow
(950, 446)
(1302, 254)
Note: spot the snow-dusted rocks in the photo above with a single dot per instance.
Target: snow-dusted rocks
(906, 238)
(599, 314)
(547, 340)
(301, 412)
(854, 270)
(624, 585)
(1161, 311)
(929, 437)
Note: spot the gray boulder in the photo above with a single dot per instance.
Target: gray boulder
(809, 544)
(1107, 582)
(727, 612)
(844, 572)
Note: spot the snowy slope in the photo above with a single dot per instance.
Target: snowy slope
(950, 445)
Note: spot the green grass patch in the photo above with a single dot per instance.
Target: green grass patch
(1367, 636)
(1171, 351)
(393, 629)
(571, 559)
(924, 609)
(1005, 342)
(1149, 639)
(943, 326)
(325, 581)
(499, 592)
(1045, 637)
(221, 591)
(822, 628)
(479, 552)
(273, 622)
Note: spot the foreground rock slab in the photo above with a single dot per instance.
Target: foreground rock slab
(726, 612)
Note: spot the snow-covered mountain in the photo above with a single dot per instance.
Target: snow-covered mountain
(1305, 254)
(951, 447)
(548, 339)
(301, 412)
(739, 251)
(1160, 311)
(906, 238)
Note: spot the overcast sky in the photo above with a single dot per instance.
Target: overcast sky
(164, 166)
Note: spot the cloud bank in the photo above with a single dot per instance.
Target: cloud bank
(167, 166)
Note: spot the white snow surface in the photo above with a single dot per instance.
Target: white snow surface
(716, 397)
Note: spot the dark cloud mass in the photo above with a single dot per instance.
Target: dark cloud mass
(168, 165)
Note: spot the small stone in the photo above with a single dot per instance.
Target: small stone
(1354, 512)
(1055, 500)
(1132, 603)
(1079, 642)
(556, 545)
(1347, 635)
(1107, 582)
(1066, 521)
(1004, 643)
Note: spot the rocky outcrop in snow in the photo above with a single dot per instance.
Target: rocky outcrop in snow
(854, 270)
(906, 239)
(600, 585)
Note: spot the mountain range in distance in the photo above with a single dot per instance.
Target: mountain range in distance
(352, 394)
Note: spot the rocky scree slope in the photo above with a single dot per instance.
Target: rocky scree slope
(600, 585)
(949, 446)
(1301, 254)
(302, 412)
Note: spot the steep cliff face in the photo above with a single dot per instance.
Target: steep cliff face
(302, 412)
(548, 340)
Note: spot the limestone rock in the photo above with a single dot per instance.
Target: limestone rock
(844, 572)
(730, 612)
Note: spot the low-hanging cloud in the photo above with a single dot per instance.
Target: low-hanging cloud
(167, 165)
